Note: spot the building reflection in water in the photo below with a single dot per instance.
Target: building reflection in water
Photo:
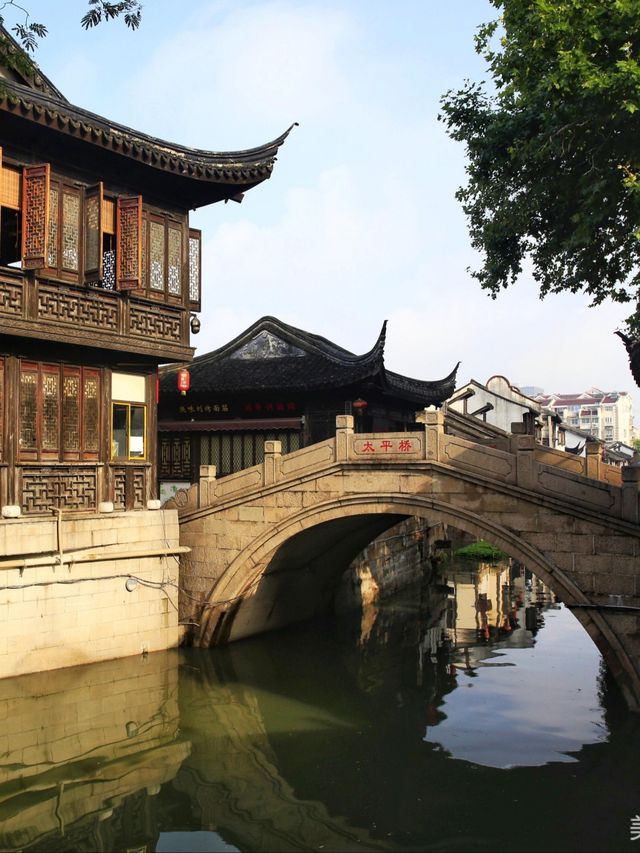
(488, 605)
(328, 737)
(84, 751)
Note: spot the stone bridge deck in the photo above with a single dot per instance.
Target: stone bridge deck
(269, 542)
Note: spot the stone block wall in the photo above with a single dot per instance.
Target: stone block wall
(63, 599)
(396, 559)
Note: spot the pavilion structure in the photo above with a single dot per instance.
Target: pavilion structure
(275, 381)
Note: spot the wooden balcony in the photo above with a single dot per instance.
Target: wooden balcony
(90, 317)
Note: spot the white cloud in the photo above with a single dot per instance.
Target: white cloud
(329, 264)
(261, 65)
(558, 343)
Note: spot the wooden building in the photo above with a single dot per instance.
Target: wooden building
(99, 281)
(277, 382)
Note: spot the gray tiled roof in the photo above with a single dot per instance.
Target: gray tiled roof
(273, 356)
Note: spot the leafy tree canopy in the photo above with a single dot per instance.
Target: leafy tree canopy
(553, 147)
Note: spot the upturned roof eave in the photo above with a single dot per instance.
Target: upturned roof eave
(420, 390)
(238, 167)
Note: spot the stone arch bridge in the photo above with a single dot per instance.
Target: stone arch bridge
(269, 543)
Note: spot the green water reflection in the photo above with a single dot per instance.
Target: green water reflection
(472, 715)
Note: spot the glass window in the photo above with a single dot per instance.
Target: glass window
(119, 431)
(128, 431)
(136, 432)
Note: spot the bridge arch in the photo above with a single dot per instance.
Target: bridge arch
(243, 577)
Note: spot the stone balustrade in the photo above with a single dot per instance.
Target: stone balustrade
(586, 482)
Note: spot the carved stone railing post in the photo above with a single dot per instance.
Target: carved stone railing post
(271, 464)
(524, 448)
(344, 431)
(630, 492)
(593, 459)
(207, 485)
(434, 435)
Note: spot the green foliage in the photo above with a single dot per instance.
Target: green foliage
(28, 32)
(480, 550)
(100, 10)
(553, 154)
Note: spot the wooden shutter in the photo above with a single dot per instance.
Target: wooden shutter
(93, 232)
(35, 215)
(195, 268)
(129, 243)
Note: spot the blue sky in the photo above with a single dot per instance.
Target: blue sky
(359, 222)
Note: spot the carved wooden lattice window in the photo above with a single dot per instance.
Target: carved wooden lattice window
(35, 216)
(91, 412)
(28, 408)
(175, 457)
(163, 257)
(129, 242)
(195, 266)
(156, 255)
(50, 412)
(81, 413)
(71, 411)
(52, 228)
(63, 229)
(174, 262)
(70, 229)
(59, 413)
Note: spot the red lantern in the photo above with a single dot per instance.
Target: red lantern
(184, 380)
(359, 405)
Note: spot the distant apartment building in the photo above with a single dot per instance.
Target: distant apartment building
(607, 415)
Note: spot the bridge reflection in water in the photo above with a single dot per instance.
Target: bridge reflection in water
(350, 734)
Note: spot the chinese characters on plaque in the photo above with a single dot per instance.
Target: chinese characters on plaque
(385, 446)
(257, 408)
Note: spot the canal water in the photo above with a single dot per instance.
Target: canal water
(474, 714)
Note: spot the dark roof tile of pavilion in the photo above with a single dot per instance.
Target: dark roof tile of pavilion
(272, 356)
